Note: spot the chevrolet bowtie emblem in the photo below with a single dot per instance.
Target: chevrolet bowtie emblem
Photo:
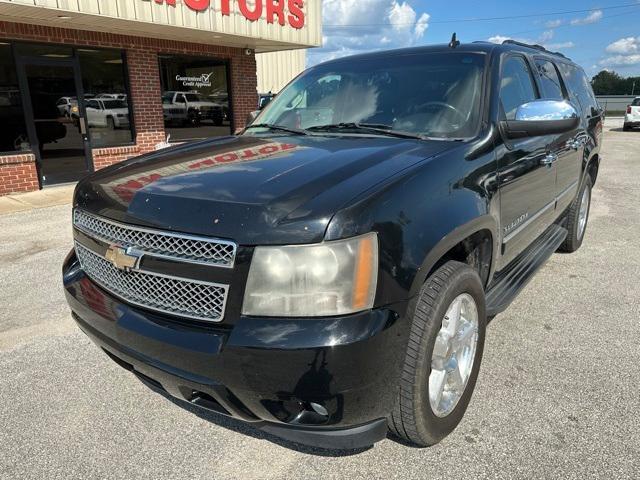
(122, 258)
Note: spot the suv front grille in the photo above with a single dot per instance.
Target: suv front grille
(173, 295)
(164, 244)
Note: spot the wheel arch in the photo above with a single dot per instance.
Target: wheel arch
(473, 243)
(593, 166)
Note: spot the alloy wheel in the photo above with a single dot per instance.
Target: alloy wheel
(453, 355)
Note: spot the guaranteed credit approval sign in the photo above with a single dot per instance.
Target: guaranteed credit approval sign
(284, 12)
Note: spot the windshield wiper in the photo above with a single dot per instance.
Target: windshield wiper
(367, 127)
(282, 128)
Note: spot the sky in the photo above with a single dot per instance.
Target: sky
(598, 35)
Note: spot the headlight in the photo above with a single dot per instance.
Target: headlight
(330, 278)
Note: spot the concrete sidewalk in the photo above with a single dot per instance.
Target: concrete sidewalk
(49, 197)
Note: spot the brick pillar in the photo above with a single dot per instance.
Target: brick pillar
(244, 84)
(146, 93)
(18, 174)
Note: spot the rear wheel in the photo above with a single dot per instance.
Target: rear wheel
(193, 119)
(625, 127)
(577, 218)
(443, 356)
(111, 125)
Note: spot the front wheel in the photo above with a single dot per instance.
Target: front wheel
(577, 218)
(443, 356)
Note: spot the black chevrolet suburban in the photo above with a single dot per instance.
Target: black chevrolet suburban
(328, 274)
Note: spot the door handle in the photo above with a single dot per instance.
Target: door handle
(548, 159)
(577, 143)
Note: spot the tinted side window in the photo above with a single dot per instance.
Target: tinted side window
(516, 86)
(549, 80)
(579, 88)
(636, 102)
(13, 131)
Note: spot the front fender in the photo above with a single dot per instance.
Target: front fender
(420, 216)
(460, 233)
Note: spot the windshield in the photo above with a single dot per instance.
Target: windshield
(192, 97)
(110, 104)
(435, 95)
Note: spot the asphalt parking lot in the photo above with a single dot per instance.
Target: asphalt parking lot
(557, 397)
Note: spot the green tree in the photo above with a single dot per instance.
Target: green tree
(607, 83)
(611, 83)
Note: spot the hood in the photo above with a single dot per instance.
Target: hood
(250, 189)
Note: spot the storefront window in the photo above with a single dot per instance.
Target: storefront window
(106, 98)
(195, 98)
(44, 50)
(13, 132)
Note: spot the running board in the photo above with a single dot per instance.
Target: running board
(515, 276)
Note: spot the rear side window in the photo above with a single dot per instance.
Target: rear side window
(636, 102)
(579, 88)
(516, 85)
(549, 80)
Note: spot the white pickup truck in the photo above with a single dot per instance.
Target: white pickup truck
(190, 108)
(104, 112)
(632, 117)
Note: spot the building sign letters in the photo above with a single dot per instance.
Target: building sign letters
(284, 12)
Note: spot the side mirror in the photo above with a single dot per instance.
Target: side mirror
(542, 117)
(265, 101)
(251, 117)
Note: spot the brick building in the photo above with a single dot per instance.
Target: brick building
(87, 83)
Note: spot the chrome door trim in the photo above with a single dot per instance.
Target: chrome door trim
(566, 191)
(528, 222)
(540, 212)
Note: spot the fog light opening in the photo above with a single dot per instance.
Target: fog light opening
(319, 409)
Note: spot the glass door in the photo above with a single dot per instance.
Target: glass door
(55, 118)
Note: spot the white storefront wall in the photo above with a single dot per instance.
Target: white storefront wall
(223, 22)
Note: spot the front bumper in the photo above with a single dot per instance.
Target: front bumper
(328, 382)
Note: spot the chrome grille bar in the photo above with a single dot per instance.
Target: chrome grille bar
(181, 247)
(166, 294)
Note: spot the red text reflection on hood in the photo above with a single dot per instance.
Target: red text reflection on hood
(125, 188)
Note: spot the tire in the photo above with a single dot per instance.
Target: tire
(193, 120)
(413, 417)
(111, 124)
(625, 127)
(576, 232)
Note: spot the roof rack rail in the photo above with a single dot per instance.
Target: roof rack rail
(534, 46)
